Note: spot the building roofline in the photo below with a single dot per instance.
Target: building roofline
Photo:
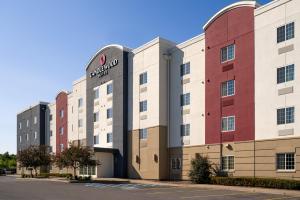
(191, 41)
(32, 106)
(269, 6)
(151, 43)
(230, 7)
(62, 91)
(83, 78)
(107, 46)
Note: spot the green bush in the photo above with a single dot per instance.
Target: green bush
(201, 169)
(64, 175)
(257, 182)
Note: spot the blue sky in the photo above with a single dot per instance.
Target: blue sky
(45, 45)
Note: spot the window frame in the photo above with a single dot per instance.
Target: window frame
(227, 88)
(227, 163)
(80, 123)
(185, 130)
(109, 113)
(227, 53)
(96, 93)
(109, 137)
(227, 124)
(285, 162)
(143, 106)
(185, 99)
(96, 117)
(143, 134)
(284, 26)
(96, 139)
(285, 115)
(143, 78)
(185, 69)
(109, 88)
(61, 113)
(80, 102)
(285, 75)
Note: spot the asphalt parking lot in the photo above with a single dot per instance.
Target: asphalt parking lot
(25, 189)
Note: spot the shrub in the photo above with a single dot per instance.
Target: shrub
(257, 182)
(200, 170)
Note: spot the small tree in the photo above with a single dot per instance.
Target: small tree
(34, 157)
(200, 171)
(75, 157)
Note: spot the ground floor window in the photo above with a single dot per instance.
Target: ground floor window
(87, 170)
(285, 161)
(227, 163)
(176, 163)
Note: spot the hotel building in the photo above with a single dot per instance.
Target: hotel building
(229, 93)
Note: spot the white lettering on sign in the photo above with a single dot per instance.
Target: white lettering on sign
(103, 69)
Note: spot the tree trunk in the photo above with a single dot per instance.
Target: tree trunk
(35, 170)
(74, 168)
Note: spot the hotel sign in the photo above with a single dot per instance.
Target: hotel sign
(102, 70)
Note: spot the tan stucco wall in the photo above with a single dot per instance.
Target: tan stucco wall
(264, 162)
(145, 150)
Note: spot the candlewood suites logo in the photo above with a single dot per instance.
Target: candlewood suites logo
(102, 70)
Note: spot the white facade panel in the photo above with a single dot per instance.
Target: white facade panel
(270, 55)
(193, 114)
(76, 112)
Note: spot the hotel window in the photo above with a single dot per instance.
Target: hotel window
(285, 74)
(61, 147)
(285, 161)
(61, 130)
(109, 113)
(143, 106)
(27, 123)
(51, 133)
(143, 133)
(35, 135)
(185, 99)
(96, 93)
(285, 115)
(96, 117)
(80, 103)
(185, 69)
(20, 125)
(87, 170)
(109, 88)
(185, 130)
(50, 118)
(143, 78)
(109, 138)
(50, 149)
(96, 139)
(227, 88)
(20, 138)
(228, 123)
(285, 32)
(35, 120)
(228, 53)
(227, 163)
(80, 123)
(176, 163)
(27, 137)
(61, 113)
